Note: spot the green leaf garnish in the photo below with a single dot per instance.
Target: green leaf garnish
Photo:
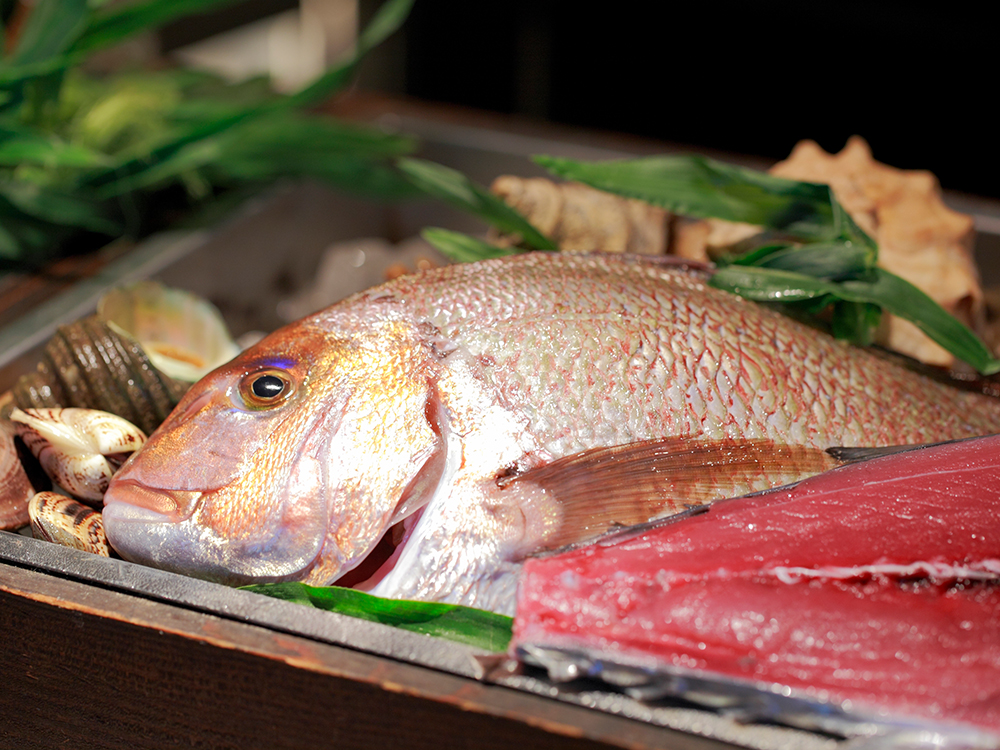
(702, 188)
(828, 262)
(461, 248)
(473, 627)
(455, 188)
(853, 319)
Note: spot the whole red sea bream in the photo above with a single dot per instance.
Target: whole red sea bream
(488, 410)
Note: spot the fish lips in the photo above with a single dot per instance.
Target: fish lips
(143, 526)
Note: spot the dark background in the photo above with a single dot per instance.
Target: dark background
(914, 79)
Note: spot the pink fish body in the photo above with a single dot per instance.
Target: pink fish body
(411, 405)
(877, 582)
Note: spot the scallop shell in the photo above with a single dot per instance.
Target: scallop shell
(15, 489)
(80, 449)
(88, 364)
(183, 334)
(62, 520)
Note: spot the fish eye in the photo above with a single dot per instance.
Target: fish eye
(265, 389)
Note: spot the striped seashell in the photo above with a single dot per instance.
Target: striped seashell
(91, 364)
(80, 449)
(15, 489)
(62, 520)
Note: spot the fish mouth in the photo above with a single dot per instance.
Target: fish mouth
(162, 529)
(175, 505)
(382, 558)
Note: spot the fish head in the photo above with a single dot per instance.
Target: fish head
(287, 463)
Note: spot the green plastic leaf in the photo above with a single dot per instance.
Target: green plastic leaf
(55, 207)
(703, 188)
(461, 248)
(455, 188)
(128, 175)
(283, 144)
(473, 627)
(51, 27)
(824, 260)
(903, 299)
(856, 319)
(122, 20)
(771, 284)
(48, 151)
(389, 17)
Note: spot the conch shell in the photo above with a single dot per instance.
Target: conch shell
(62, 520)
(183, 334)
(80, 449)
(15, 489)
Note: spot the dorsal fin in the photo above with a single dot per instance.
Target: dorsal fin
(602, 489)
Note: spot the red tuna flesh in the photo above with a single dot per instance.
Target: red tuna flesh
(876, 582)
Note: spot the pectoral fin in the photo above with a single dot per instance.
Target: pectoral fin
(603, 489)
(853, 455)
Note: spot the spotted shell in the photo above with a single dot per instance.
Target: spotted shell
(62, 520)
(80, 449)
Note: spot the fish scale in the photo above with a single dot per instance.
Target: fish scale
(812, 379)
(425, 392)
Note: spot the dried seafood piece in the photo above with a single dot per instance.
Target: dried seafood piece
(183, 334)
(579, 218)
(15, 489)
(80, 449)
(88, 364)
(62, 520)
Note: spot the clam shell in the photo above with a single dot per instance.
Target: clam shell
(80, 449)
(15, 489)
(183, 334)
(88, 364)
(62, 520)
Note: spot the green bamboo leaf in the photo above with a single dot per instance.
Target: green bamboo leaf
(389, 17)
(901, 298)
(10, 247)
(127, 175)
(771, 284)
(823, 260)
(48, 151)
(57, 208)
(455, 188)
(461, 248)
(284, 144)
(474, 627)
(24, 239)
(122, 20)
(857, 319)
(51, 28)
(703, 188)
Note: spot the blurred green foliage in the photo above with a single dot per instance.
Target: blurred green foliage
(87, 157)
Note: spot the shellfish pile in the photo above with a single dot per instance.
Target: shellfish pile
(103, 384)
